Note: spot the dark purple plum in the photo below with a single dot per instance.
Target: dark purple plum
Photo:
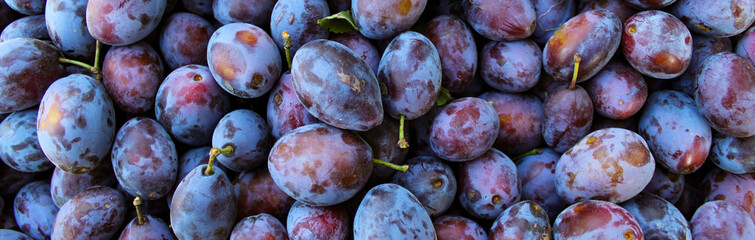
(738, 189)
(521, 119)
(611, 164)
(450, 227)
(256, 193)
(34, 210)
(298, 18)
(309, 222)
(72, 109)
(284, 110)
(203, 205)
(595, 219)
(501, 20)
(26, 27)
(567, 116)
(524, 220)
(745, 45)
(735, 155)
(618, 7)
(184, 38)
(384, 211)
(151, 229)
(259, 227)
(721, 220)
(27, 68)
(247, 133)
(382, 141)
(123, 22)
(618, 91)
(132, 75)
(66, 25)
(361, 46)
(723, 94)
(457, 51)
(189, 104)
(537, 174)
(657, 44)
(336, 86)
(702, 48)
(256, 12)
(550, 15)
(666, 184)
(464, 130)
(93, 214)
(13, 235)
(8, 221)
(486, 197)
(409, 76)
(11, 181)
(511, 66)
(19, 147)
(383, 19)
(593, 35)
(243, 59)
(320, 165)
(675, 131)
(27, 7)
(658, 218)
(715, 18)
(431, 181)
(144, 159)
(65, 185)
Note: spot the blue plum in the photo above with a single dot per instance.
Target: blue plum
(457, 51)
(66, 25)
(184, 38)
(383, 19)
(248, 134)
(524, 220)
(431, 181)
(537, 174)
(595, 219)
(13, 235)
(658, 218)
(723, 94)
(34, 210)
(284, 110)
(19, 146)
(486, 197)
(151, 229)
(132, 75)
(521, 120)
(511, 66)
(501, 20)
(310, 222)
(256, 193)
(298, 18)
(381, 215)
(618, 91)
(361, 46)
(464, 130)
(123, 22)
(259, 227)
(26, 27)
(65, 185)
(27, 7)
(738, 189)
(256, 12)
(721, 220)
(450, 227)
(657, 44)
(382, 141)
(203, 205)
(666, 184)
(94, 214)
(551, 14)
(735, 155)
(715, 18)
(702, 48)
(29, 68)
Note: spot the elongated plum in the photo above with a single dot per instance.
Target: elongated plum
(383, 212)
(501, 20)
(123, 22)
(721, 220)
(27, 7)
(431, 181)
(567, 117)
(451, 227)
(382, 19)
(310, 222)
(524, 220)
(658, 218)
(243, 60)
(595, 219)
(19, 146)
(144, 158)
(457, 51)
(675, 131)
(66, 25)
(511, 66)
(715, 18)
(320, 165)
(26, 27)
(594, 35)
(184, 39)
(735, 155)
(521, 120)
(94, 214)
(537, 174)
(617, 91)
(132, 75)
(248, 134)
(336, 86)
(34, 210)
(256, 12)
(486, 197)
(299, 18)
(72, 109)
(284, 110)
(657, 44)
(611, 164)
(723, 94)
(203, 205)
(189, 104)
(464, 130)
(410, 70)
(28, 67)
(259, 227)
(13, 235)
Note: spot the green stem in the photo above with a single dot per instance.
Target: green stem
(577, 59)
(287, 44)
(214, 153)
(401, 140)
(97, 55)
(94, 69)
(402, 168)
(139, 216)
(534, 151)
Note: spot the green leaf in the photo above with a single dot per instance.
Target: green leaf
(443, 97)
(338, 23)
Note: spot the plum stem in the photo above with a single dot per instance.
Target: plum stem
(402, 168)
(401, 140)
(97, 54)
(214, 153)
(534, 151)
(287, 44)
(139, 216)
(94, 69)
(577, 59)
